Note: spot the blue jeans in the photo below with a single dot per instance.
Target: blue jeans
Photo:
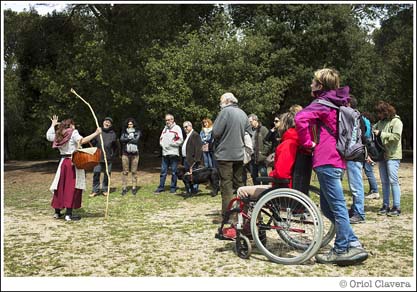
(96, 177)
(369, 172)
(333, 205)
(388, 172)
(168, 161)
(208, 159)
(354, 174)
(194, 187)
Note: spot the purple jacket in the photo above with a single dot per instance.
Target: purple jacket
(325, 152)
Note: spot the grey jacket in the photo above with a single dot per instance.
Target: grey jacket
(228, 132)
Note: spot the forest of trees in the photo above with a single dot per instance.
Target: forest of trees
(145, 60)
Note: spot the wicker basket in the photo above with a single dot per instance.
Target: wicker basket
(86, 158)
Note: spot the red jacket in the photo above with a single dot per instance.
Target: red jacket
(285, 156)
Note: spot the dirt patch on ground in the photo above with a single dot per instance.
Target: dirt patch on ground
(181, 242)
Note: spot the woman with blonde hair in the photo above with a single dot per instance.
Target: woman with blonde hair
(207, 140)
(328, 164)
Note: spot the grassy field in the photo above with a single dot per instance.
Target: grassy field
(166, 235)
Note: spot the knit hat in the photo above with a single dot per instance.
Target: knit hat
(108, 119)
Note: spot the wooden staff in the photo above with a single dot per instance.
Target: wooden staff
(102, 148)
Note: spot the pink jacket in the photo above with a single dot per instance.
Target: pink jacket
(306, 120)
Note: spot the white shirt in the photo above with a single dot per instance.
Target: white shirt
(184, 145)
(68, 148)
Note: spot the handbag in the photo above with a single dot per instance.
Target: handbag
(131, 148)
(86, 158)
(269, 161)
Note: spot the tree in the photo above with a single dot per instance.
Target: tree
(394, 45)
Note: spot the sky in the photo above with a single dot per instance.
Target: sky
(42, 7)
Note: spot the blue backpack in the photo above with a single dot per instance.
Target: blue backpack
(349, 134)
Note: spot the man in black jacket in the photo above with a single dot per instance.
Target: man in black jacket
(191, 151)
(110, 146)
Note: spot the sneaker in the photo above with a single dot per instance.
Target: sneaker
(72, 218)
(353, 256)
(173, 191)
(229, 232)
(134, 191)
(372, 196)
(124, 192)
(93, 194)
(394, 212)
(105, 194)
(355, 219)
(58, 215)
(384, 210)
(158, 191)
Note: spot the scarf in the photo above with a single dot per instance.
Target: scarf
(65, 139)
(207, 130)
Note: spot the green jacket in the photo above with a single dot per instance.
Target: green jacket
(390, 131)
(261, 147)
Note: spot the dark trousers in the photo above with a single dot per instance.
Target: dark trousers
(96, 177)
(303, 168)
(194, 187)
(230, 173)
(257, 169)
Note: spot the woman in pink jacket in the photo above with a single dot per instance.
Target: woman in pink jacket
(329, 165)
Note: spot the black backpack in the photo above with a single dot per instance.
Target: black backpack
(375, 147)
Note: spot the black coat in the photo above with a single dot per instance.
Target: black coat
(110, 144)
(124, 139)
(193, 150)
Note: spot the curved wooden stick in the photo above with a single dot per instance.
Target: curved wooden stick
(102, 148)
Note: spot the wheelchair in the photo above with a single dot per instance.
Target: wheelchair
(285, 224)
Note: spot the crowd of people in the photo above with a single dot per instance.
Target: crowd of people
(236, 143)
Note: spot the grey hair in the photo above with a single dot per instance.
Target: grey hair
(187, 123)
(229, 97)
(254, 117)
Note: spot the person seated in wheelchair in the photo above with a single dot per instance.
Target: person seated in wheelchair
(284, 161)
(282, 174)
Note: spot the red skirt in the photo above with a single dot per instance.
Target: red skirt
(67, 196)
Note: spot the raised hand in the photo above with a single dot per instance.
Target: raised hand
(54, 121)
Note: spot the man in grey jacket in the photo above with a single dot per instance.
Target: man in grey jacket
(228, 132)
(170, 140)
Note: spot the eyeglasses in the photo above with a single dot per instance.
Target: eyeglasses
(185, 127)
(276, 121)
(167, 120)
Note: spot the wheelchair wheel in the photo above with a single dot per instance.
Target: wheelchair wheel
(329, 230)
(243, 247)
(292, 226)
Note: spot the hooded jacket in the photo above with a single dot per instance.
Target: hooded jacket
(325, 152)
(285, 155)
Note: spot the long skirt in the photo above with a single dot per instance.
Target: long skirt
(67, 196)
